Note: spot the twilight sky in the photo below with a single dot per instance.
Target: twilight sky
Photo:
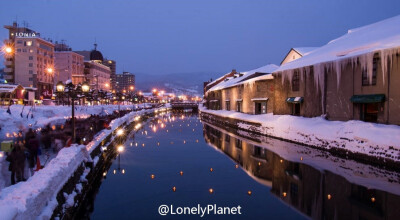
(187, 36)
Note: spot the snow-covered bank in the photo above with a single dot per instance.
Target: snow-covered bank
(377, 140)
(11, 124)
(26, 200)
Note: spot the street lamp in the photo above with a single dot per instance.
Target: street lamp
(8, 50)
(74, 92)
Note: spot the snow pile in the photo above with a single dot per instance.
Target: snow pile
(232, 81)
(36, 196)
(356, 136)
(11, 124)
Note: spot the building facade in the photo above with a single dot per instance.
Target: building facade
(68, 65)
(31, 62)
(113, 67)
(97, 75)
(125, 82)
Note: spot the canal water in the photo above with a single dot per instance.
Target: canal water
(178, 161)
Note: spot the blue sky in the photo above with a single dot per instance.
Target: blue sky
(187, 36)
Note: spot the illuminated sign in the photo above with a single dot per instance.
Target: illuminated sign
(23, 34)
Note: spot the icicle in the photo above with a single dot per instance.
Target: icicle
(338, 70)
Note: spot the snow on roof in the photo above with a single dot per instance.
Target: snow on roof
(8, 88)
(238, 80)
(304, 50)
(370, 38)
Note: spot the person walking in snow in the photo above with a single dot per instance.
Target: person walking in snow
(17, 164)
(33, 148)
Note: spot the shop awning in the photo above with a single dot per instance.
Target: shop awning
(295, 99)
(373, 98)
(259, 99)
(239, 100)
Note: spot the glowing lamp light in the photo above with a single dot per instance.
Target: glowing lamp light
(249, 192)
(120, 132)
(8, 49)
(236, 166)
(284, 194)
(158, 144)
(181, 173)
(104, 173)
(50, 70)
(373, 199)
(114, 171)
(152, 176)
(174, 189)
(329, 196)
(211, 169)
(211, 191)
(123, 171)
(301, 158)
(85, 87)
(120, 149)
(60, 87)
(259, 163)
(281, 161)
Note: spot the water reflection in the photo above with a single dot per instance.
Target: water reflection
(313, 182)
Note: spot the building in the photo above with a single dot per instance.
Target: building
(31, 62)
(296, 53)
(249, 92)
(96, 73)
(125, 81)
(211, 83)
(113, 67)
(68, 65)
(353, 77)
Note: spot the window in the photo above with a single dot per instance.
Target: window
(30, 79)
(30, 57)
(28, 43)
(19, 42)
(227, 138)
(30, 71)
(296, 81)
(259, 152)
(18, 50)
(238, 143)
(239, 106)
(365, 77)
(228, 105)
(260, 108)
(30, 64)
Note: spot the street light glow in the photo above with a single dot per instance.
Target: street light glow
(120, 132)
(120, 148)
(8, 49)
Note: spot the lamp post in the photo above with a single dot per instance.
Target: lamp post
(74, 92)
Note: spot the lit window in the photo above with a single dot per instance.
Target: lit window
(29, 43)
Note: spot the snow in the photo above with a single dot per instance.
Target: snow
(43, 115)
(370, 38)
(356, 136)
(304, 50)
(356, 46)
(34, 196)
(232, 81)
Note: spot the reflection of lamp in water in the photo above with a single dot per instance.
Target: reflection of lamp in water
(174, 189)
(152, 176)
(211, 191)
(211, 169)
(249, 192)
(120, 149)
(372, 199)
(284, 194)
(236, 166)
(120, 132)
(181, 173)
(329, 196)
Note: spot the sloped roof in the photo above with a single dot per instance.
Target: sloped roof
(304, 50)
(236, 81)
(370, 38)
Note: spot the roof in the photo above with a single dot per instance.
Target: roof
(232, 81)
(304, 50)
(364, 40)
(9, 88)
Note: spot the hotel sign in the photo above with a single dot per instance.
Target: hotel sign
(24, 34)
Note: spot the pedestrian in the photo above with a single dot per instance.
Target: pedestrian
(33, 148)
(17, 164)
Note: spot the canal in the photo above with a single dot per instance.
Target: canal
(175, 159)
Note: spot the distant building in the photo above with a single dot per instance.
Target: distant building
(125, 81)
(113, 67)
(68, 65)
(296, 53)
(31, 62)
(96, 73)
